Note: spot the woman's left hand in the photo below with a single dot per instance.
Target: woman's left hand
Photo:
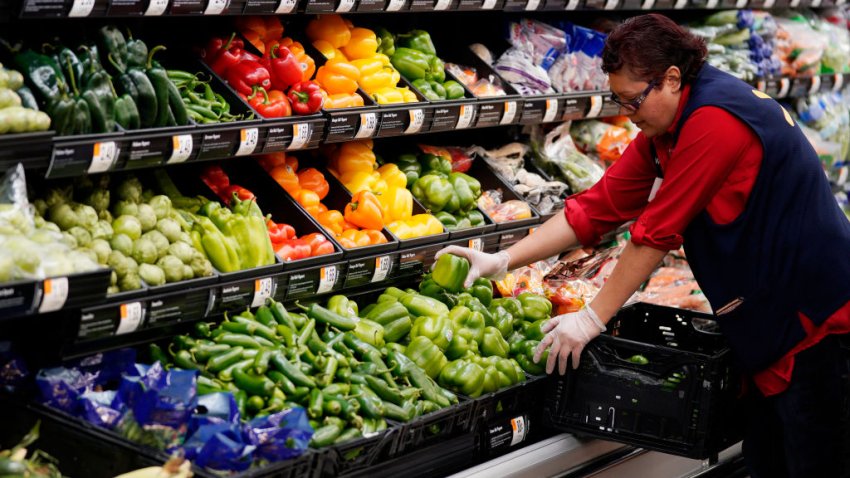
(568, 334)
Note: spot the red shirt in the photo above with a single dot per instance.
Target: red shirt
(712, 168)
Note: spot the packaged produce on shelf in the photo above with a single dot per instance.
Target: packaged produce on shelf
(503, 211)
(341, 42)
(601, 139)
(556, 154)
(836, 56)
(286, 244)
(34, 248)
(18, 109)
(825, 119)
(14, 461)
(741, 43)
(478, 85)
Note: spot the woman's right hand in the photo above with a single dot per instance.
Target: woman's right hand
(481, 264)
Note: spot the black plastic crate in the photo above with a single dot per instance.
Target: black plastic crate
(491, 181)
(360, 453)
(520, 397)
(435, 427)
(660, 378)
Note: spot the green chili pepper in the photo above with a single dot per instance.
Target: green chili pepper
(325, 316)
(254, 385)
(219, 362)
(291, 371)
(226, 375)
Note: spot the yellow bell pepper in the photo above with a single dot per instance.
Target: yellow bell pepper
(388, 95)
(368, 66)
(409, 96)
(401, 229)
(380, 187)
(393, 176)
(330, 28)
(363, 44)
(358, 181)
(431, 224)
(397, 203)
(384, 59)
(377, 81)
(329, 51)
(355, 156)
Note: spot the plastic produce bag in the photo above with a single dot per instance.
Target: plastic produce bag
(543, 43)
(503, 211)
(516, 66)
(604, 140)
(556, 154)
(480, 87)
(61, 387)
(280, 436)
(219, 447)
(101, 408)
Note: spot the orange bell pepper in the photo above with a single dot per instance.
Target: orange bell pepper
(354, 156)
(338, 76)
(332, 220)
(286, 177)
(314, 180)
(346, 243)
(260, 30)
(364, 211)
(347, 225)
(363, 44)
(375, 236)
(309, 200)
(360, 238)
(343, 100)
(330, 28)
(272, 160)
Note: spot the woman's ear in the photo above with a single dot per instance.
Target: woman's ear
(673, 78)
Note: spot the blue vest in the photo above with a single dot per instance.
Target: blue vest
(788, 251)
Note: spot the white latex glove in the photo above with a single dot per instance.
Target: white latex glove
(481, 264)
(568, 334)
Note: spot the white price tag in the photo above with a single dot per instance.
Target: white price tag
(215, 7)
(156, 8)
(442, 5)
(816, 3)
(571, 5)
(680, 4)
(519, 430)
(395, 5)
(300, 135)
(768, 4)
(417, 119)
(712, 3)
(510, 112)
(532, 4)
(465, 117)
(551, 110)
(181, 148)
(488, 5)
(794, 3)
(248, 138)
(784, 87)
(741, 3)
(595, 106)
(286, 6)
(103, 156)
(130, 319)
(383, 265)
(345, 6)
(55, 294)
(647, 4)
(327, 279)
(81, 8)
(368, 125)
(842, 175)
(476, 244)
(839, 82)
(815, 85)
(611, 4)
(263, 289)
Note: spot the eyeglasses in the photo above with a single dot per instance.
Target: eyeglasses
(634, 104)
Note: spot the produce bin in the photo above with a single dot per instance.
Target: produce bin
(436, 427)
(660, 378)
(30, 149)
(523, 396)
(360, 453)
(490, 181)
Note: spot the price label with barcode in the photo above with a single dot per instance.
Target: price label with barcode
(510, 112)
(815, 85)
(286, 6)
(81, 8)
(532, 4)
(712, 3)
(611, 4)
(741, 3)
(815, 3)
(680, 4)
(130, 318)
(327, 279)
(368, 125)
(488, 5)
(839, 82)
(181, 148)
(156, 8)
(476, 244)
(465, 117)
(103, 156)
(595, 106)
(647, 4)
(215, 7)
(248, 139)
(572, 5)
(442, 4)
(519, 430)
(794, 3)
(300, 135)
(55, 293)
(769, 4)
(395, 5)
(345, 6)
(263, 289)
(551, 110)
(417, 119)
(383, 265)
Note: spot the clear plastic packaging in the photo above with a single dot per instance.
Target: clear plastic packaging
(556, 154)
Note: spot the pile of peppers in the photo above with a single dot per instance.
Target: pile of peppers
(355, 59)
(414, 56)
(18, 109)
(328, 360)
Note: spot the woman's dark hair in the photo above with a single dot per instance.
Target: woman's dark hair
(649, 44)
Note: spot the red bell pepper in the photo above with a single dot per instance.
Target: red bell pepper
(245, 75)
(319, 244)
(293, 249)
(245, 55)
(279, 232)
(222, 54)
(270, 104)
(241, 193)
(215, 177)
(283, 66)
(306, 98)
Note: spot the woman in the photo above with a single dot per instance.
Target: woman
(724, 169)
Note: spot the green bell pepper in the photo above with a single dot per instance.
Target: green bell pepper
(493, 343)
(434, 192)
(491, 382)
(475, 218)
(524, 356)
(474, 305)
(534, 307)
(409, 165)
(534, 331)
(434, 163)
(450, 272)
(387, 312)
(466, 200)
(482, 289)
(467, 323)
(460, 347)
(474, 184)
(412, 64)
(502, 320)
(427, 89)
(513, 306)
(438, 330)
(510, 369)
(430, 288)
(464, 376)
(427, 355)
(370, 332)
(436, 71)
(454, 90)
(418, 40)
(421, 306)
(386, 42)
(343, 306)
(447, 219)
